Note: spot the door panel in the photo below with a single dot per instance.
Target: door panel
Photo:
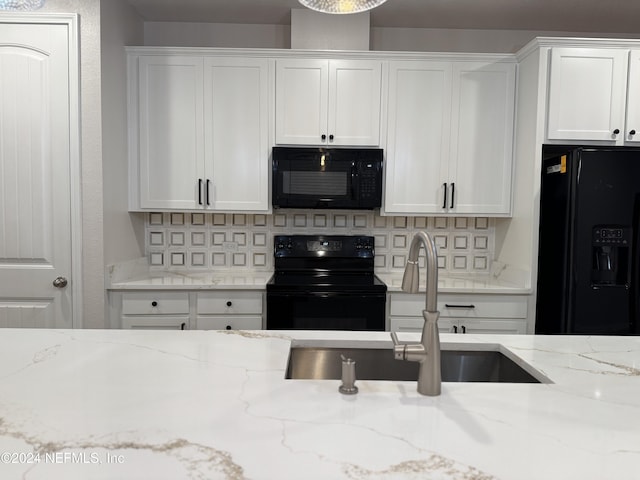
(236, 133)
(171, 129)
(301, 101)
(482, 133)
(35, 195)
(418, 138)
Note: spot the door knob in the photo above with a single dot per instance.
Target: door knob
(60, 282)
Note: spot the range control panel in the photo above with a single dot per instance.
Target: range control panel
(344, 246)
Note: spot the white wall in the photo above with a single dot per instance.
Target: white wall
(91, 154)
(123, 232)
(468, 41)
(182, 34)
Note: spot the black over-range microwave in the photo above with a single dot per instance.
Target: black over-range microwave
(345, 178)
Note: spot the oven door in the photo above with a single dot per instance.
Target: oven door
(326, 311)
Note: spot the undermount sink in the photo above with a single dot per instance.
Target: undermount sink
(488, 364)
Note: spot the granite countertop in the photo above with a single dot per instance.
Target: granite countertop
(215, 405)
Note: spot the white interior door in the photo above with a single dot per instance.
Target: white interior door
(35, 180)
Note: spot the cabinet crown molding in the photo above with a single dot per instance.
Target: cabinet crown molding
(579, 42)
(273, 53)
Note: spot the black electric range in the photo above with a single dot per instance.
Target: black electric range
(325, 282)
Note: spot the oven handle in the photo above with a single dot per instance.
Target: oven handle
(305, 293)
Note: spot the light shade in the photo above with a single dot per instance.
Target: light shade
(21, 4)
(341, 6)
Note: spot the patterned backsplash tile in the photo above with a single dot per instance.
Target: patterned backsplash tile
(200, 241)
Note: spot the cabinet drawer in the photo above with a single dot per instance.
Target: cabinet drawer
(235, 322)
(462, 306)
(155, 303)
(151, 322)
(229, 303)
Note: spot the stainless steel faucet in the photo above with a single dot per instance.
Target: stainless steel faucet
(427, 352)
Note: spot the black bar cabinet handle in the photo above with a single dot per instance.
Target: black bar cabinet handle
(453, 193)
(450, 305)
(207, 196)
(199, 191)
(444, 203)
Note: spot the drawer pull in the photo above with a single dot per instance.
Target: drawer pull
(154, 304)
(464, 329)
(183, 325)
(228, 327)
(449, 305)
(229, 303)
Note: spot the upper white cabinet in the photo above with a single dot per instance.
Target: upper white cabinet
(418, 136)
(328, 102)
(450, 137)
(199, 132)
(589, 97)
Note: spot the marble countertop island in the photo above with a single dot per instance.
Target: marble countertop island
(116, 404)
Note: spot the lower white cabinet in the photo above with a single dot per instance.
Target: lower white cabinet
(229, 310)
(183, 310)
(155, 310)
(461, 313)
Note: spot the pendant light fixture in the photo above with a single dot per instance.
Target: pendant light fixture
(21, 5)
(341, 6)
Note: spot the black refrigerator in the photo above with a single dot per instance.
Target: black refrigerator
(588, 261)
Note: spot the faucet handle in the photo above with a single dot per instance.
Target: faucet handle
(398, 348)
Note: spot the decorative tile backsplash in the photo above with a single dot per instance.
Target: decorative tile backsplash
(201, 241)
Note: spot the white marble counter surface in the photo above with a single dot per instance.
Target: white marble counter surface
(460, 284)
(116, 404)
(136, 275)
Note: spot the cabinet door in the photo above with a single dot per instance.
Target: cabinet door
(481, 138)
(301, 101)
(236, 125)
(632, 125)
(170, 131)
(418, 137)
(587, 90)
(354, 102)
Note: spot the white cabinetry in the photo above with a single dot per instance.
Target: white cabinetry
(199, 132)
(450, 137)
(589, 97)
(328, 102)
(182, 310)
(461, 313)
(155, 310)
(230, 310)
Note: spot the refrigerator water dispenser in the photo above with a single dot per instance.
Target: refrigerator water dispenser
(610, 256)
